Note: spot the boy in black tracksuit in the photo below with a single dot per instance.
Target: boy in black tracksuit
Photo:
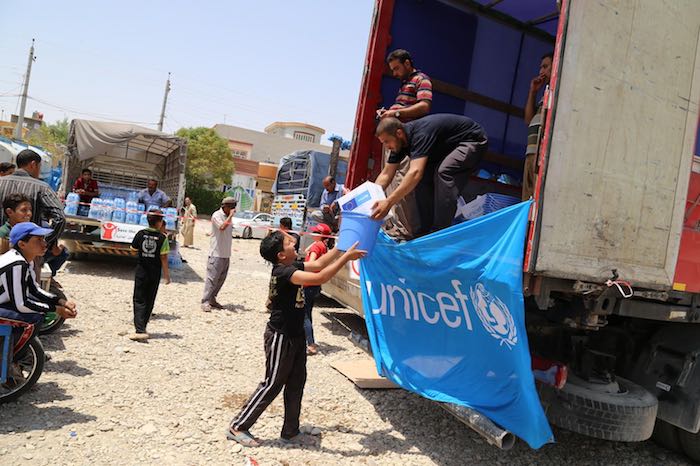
(153, 248)
(285, 341)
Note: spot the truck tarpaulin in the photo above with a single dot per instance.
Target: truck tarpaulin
(446, 319)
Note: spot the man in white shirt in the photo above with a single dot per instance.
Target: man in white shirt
(219, 253)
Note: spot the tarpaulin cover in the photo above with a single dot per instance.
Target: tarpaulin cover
(88, 139)
(302, 172)
(446, 320)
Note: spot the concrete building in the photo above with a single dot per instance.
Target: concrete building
(299, 131)
(256, 156)
(265, 147)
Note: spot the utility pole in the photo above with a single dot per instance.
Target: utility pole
(165, 102)
(23, 104)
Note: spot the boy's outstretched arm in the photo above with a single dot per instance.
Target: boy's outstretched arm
(322, 262)
(309, 278)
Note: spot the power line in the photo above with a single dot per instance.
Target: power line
(94, 115)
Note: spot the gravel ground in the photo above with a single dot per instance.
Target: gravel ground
(106, 400)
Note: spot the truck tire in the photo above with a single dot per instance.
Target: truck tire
(666, 435)
(690, 443)
(623, 412)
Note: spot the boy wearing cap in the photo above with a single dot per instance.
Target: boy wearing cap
(315, 250)
(153, 248)
(24, 300)
(219, 253)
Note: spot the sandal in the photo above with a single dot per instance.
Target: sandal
(243, 437)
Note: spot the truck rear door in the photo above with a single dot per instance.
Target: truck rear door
(622, 133)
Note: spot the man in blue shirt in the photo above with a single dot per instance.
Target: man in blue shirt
(154, 196)
(329, 202)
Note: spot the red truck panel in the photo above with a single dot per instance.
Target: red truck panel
(365, 146)
(687, 276)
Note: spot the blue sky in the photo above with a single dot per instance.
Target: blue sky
(251, 62)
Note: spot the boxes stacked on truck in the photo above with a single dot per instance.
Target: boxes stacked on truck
(482, 205)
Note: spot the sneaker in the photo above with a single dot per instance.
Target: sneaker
(215, 305)
(139, 337)
(206, 307)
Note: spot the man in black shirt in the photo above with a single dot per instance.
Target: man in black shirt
(285, 341)
(444, 150)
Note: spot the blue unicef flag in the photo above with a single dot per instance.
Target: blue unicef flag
(446, 319)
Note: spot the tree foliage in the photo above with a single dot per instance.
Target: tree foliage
(53, 138)
(209, 160)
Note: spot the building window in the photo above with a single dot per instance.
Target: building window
(306, 137)
(239, 154)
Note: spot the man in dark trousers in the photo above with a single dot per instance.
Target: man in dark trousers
(444, 150)
(153, 248)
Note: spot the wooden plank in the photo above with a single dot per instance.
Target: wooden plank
(363, 373)
(466, 95)
(621, 151)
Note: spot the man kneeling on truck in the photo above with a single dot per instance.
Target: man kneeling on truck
(444, 150)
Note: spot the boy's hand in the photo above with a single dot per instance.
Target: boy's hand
(65, 312)
(166, 279)
(353, 253)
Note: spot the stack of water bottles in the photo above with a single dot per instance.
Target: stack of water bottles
(121, 210)
(72, 203)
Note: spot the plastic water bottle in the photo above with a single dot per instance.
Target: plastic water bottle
(107, 208)
(119, 214)
(133, 196)
(144, 220)
(72, 201)
(132, 214)
(170, 218)
(95, 208)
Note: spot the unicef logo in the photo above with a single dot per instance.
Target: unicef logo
(494, 315)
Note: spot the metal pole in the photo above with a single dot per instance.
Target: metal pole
(335, 154)
(165, 101)
(23, 104)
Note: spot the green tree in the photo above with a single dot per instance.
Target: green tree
(53, 138)
(59, 131)
(209, 160)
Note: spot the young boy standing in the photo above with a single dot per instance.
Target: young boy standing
(18, 209)
(153, 248)
(316, 250)
(285, 345)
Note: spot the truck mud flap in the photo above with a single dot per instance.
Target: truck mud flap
(668, 367)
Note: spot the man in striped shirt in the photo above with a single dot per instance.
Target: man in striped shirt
(416, 93)
(46, 206)
(533, 118)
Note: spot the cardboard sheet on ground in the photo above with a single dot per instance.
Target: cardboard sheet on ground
(445, 317)
(363, 373)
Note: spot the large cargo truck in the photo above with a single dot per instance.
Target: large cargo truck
(612, 262)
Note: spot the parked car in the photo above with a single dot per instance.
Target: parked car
(248, 224)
